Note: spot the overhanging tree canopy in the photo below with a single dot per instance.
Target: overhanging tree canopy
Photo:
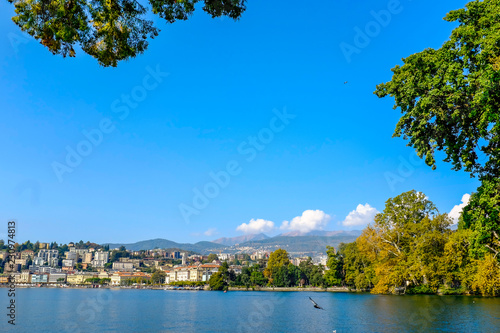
(450, 97)
(108, 30)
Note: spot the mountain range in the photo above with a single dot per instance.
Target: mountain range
(160, 243)
(240, 239)
(315, 241)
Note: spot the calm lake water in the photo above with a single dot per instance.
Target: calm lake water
(105, 310)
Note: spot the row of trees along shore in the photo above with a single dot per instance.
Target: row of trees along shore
(410, 248)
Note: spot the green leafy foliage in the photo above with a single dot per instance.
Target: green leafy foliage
(187, 283)
(482, 216)
(212, 257)
(487, 279)
(217, 282)
(110, 31)
(420, 290)
(405, 243)
(158, 277)
(450, 97)
(277, 259)
(311, 273)
(411, 249)
(357, 270)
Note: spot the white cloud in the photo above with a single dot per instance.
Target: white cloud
(363, 215)
(210, 232)
(256, 226)
(309, 220)
(457, 210)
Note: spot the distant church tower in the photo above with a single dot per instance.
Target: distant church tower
(183, 258)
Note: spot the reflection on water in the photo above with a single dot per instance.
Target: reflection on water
(102, 310)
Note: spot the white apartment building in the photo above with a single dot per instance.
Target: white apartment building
(100, 259)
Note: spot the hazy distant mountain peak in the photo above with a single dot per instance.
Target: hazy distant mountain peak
(230, 241)
(322, 233)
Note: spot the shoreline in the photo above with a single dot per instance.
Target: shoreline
(313, 289)
(206, 288)
(168, 287)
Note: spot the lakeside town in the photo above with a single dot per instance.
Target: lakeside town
(92, 265)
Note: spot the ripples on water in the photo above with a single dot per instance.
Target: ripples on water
(105, 310)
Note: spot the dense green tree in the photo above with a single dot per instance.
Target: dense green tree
(217, 282)
(212, 257)
(334, 274)
(482, 216)
(311, 273)
(243, 279)
(404, 242)
(285, 276)
(358, 269)
(120, 253)
(450, 97)
(93, 280)
(457, 266)
(109, 31)
(105, 281)
(276, 260)
(158, 277)
(246, 277)
(257, 278)
(61, 249)
(450, 101)
(487, 279)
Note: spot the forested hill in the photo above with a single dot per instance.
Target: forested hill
(303, 243)
(160, 243)
(306, 243)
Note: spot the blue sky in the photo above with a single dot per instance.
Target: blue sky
(227, 83)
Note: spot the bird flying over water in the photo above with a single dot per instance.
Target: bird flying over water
(315, 304)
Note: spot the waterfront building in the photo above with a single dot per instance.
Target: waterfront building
(55, 277)
(25, 277)
(121, 278)
(16, 277)
(193, 273)
(80, 278)
(40, 278)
